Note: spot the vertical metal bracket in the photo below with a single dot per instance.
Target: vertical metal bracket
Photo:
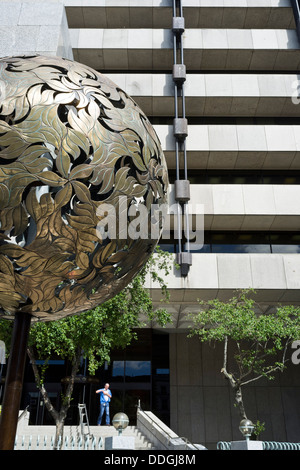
(184, 259)
(180, 128)
(179, 73)
(182, 190)
(178, 25)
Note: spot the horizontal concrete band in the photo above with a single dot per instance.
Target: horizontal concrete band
(197, 14)
(206, 49)
(247, 39)
(214, 94)
(235, 146)
(166, 3)
(275, 278)
(154, 13)
(210, 85)
(243, 207)
(227, 137)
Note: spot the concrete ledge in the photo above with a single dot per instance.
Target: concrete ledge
(205, 49)
(274, 277)
(243, 206)
(236, 146)
(212, 94)
(197, 13)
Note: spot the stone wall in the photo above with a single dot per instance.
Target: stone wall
(34, 28)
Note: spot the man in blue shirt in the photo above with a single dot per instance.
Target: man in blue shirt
(105, 397)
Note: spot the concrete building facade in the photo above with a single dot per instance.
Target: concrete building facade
(242, 60)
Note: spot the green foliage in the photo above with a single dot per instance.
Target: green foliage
(107, 326)
(93, 334)
(259, 342)
(259, 428)
(257, 337)
(111, 325)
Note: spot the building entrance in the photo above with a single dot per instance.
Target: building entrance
(139, 374)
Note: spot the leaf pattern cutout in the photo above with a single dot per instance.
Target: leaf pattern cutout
(70, 141)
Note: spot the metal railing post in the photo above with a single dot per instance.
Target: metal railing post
(296, 9)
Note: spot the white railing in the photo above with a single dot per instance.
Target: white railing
(162, 437)
(69, 443)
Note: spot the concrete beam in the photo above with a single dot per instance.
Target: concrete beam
(245, 206)
(251, 95)
(204, 49)
(197, 13)
(264, 147)
(219, 275)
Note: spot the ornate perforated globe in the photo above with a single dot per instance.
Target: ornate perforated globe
(78, 158)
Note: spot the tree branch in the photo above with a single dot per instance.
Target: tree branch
(70, 386)
(262, 375)
(224, 368)
(40, 385)
(225, 353)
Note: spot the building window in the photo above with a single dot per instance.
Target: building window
(241, 242)
(132, 370)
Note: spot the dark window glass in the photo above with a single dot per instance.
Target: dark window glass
(239, 177)
(241, 248)
(131, 370)
(285, 248)
(194, 248)
(242, 242)
(170, 247)
(239, 242)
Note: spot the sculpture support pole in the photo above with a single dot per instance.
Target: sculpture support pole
(14, 381)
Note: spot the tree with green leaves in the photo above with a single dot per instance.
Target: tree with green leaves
(259, 341)
(95, 333)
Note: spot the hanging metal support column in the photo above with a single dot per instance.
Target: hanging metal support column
(180, 130)
(296, 9)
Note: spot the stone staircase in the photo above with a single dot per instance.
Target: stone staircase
(42, 437)
(150, 433)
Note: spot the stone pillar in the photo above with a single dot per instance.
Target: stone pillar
(246, 445)
(34, 28)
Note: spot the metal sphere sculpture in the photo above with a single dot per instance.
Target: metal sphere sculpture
(70, 142)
